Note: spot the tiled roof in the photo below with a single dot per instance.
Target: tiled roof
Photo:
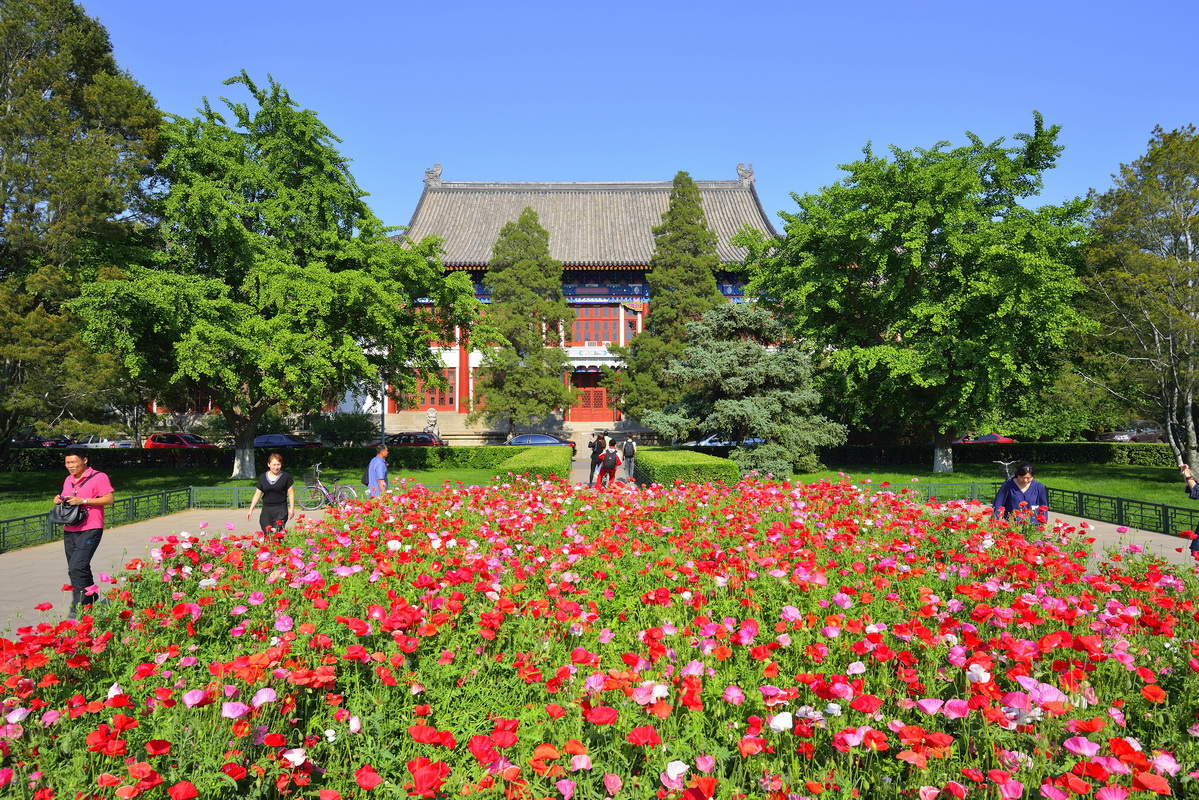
(590, 224)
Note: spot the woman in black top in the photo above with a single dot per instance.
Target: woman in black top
(276, 490)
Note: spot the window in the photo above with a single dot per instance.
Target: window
(595, 322)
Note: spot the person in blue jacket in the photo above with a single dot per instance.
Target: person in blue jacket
(1192, 489)
(1023, 497)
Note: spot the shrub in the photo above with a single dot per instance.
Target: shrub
(1140, 455)
(542, 461)
(687, 464)
(346, 428)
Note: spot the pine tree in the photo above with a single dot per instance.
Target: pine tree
(748, 381)
(682, 286)
(521, 380)
(78, 136)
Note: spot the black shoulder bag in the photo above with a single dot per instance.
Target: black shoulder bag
(66, 514)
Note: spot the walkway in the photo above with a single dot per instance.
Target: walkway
(35, 575)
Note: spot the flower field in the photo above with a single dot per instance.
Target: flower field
(534, 640)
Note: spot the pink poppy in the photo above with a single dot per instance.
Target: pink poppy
(1081, 746)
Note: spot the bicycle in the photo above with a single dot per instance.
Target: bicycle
(316, 494)
(1005, 468)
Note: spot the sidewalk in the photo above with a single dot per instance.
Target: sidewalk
(35, 575)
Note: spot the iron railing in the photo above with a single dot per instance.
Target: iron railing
(35, 529)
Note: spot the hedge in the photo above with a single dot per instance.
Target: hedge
(295, 460)
(544, 461)
(1114, 453)
(665, 466)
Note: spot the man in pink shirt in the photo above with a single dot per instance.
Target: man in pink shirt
(86, 487)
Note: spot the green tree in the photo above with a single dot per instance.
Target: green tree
(748, 380)
(1145, 277)
(274, 282)
(77, 139)
(682, 286)
(936, 296)
(521, 380)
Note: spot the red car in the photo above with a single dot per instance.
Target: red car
(986, 438)
(177, 441)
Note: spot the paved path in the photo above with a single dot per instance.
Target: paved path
(35, 575)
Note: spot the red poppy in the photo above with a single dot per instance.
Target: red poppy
(158, 747)
(600, 715)
(367, 778)
(183, 790)
(644, 735)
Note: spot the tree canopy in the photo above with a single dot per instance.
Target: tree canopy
(747, 379)
(77, 140)
(273, 282)
(1145, 278)
(682, 286)
(937, 296)
(521, 379)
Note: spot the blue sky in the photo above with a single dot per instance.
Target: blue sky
(639, 90)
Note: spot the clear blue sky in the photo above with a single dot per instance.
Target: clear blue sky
(564, 91)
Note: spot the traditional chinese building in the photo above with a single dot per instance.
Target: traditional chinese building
(603, 234)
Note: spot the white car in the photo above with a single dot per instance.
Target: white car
(95, 441)
(721, 440)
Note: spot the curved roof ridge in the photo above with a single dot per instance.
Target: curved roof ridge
(590, 222)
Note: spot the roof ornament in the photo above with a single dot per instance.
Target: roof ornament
(746, 174)
(433, 176)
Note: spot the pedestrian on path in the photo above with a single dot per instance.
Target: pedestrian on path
(594, 447)
(1193, 493)
(276, 489)
(609, 461)
(86, 487)
(376, 472)
(629, 451)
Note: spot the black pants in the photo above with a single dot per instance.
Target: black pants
(272, 517)
(80, 546)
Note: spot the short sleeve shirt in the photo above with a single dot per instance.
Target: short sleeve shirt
(91, 484)
(275, 494)
(376, 473)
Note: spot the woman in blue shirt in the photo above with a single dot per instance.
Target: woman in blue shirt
(1022, 498)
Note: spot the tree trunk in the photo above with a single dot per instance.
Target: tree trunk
(942, 453)
(244, 429)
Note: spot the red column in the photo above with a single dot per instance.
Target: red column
(464, 376)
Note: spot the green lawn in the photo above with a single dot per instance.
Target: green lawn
(1149, 484)
(26, 493)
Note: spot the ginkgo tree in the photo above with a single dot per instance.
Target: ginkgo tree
(936, 295)
(273, 282)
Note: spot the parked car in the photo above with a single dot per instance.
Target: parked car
(32, 439)
(95, 441)
(1140, 430)
(721, 440)
(414, 439)
(987, 438)
(177, 441)
(527, 439)
(279, 440)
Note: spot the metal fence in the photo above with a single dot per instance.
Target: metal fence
(1157, 517)
(35, 529)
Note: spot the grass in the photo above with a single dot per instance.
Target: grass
(28, 493)
(1148, 484)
